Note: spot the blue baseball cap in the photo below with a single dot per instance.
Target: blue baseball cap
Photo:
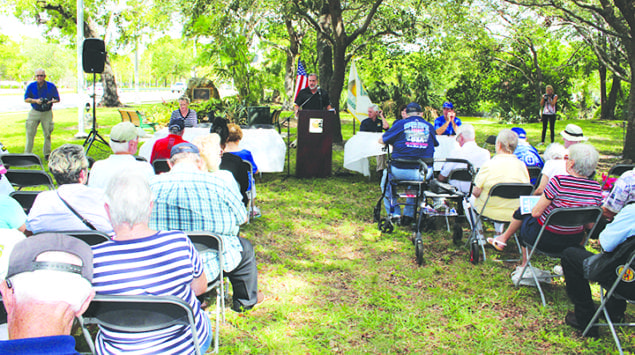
(448, 105)
(183, 148)
(520, 132)
(413, 107)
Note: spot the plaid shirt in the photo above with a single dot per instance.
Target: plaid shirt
(188, 199)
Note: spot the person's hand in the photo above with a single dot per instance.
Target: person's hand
(451, 116)
(40, 101)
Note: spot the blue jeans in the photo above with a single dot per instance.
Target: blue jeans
(399, 175)
(205, 344)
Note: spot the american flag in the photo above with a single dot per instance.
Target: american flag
(301, 80)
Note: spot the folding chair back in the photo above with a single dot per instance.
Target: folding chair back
(138, 314)
(534, 172)
(29, 178)
(464, 174)
(507, 190)
(160, 166)
(619, 169)
(25, 199)
(21, 160)
(568, 217)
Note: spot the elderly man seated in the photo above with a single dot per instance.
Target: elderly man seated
(578, 289)
(376, 122)
(124, 139)
(48, 284)
(504, 167)
(162, 147)
(526, 152)
(412, 138)
(73, 206)
(140, 260)
(188, 198)
(467, 150)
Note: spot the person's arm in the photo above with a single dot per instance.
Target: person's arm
(555, 99)
(540, 207)
(608, 214)
(443, 178)
(443, 127)
(544, 179)
(199, 284)
(476, 191)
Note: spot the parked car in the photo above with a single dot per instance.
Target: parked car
(178, 87)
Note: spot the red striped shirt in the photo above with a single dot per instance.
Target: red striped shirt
(566, 191)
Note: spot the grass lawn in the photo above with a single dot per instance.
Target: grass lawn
(335, 284)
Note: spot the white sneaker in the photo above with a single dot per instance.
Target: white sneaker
(557, 270)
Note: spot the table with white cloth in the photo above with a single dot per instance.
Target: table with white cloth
(363, 145)
(266, 146)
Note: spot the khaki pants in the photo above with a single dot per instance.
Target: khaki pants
(381, 162)
(32, 121)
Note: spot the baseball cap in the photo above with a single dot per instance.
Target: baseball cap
(413, 107)
(124, 132)
(23, 258)
(520, 132)
(184, 148)
(448, 104)
(176, 124)
(573, 133)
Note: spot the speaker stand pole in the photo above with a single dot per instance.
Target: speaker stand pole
(94, 134)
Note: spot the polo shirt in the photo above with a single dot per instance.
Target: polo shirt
(48, 91)
(368, 125)
(163, 147)
(449, 131)
(568, 191)
(306, 100)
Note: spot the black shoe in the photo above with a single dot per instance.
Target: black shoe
(571, 320)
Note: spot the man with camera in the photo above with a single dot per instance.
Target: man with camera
(41, 94)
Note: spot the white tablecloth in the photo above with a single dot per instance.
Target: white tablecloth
(266, 145)
(365, 144)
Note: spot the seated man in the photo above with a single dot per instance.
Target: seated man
(412, 138)
(374, 124)
(623, 193)
(73, 206)
(47, 286)
(124, 139)
(578, 288)
(163, 146)
(140, 260)
(525, 152)
(467, 150)
(447, 124)
(188, 198)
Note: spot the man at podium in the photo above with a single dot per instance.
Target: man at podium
(312, 97)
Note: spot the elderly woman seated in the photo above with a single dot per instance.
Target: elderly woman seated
(562, 191)
(504, 167)
(185, 113)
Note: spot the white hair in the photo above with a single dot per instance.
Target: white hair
(585, 158)
(129, 199)
(374, 107)
(508, 140)
(467, 131)
(119, 147)
(555, 151)
(51, 286)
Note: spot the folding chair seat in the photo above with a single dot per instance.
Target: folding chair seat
(160, 166)
(137, 314)
(25, 199)
(619, 169)
(568, 217)
(25, 160)
(29, 178)
(504, 190)
(622, 288)
(204, 241)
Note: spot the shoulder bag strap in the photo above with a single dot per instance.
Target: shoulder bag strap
(84, 220)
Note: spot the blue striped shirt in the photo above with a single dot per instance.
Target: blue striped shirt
(164, 264)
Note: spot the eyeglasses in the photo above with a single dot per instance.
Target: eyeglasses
(40, 75)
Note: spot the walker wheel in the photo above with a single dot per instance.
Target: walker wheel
(385, 226)
(474, 252)
(419, 249)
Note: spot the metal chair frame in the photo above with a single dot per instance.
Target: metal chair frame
(21, 160)
(30, 178)
(25, 198)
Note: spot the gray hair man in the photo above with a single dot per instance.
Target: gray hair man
(48, 284)
(468, 150)
(188, 198)
(124, 140)
(73, 206)
(41, 94)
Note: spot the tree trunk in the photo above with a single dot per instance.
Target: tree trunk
(603, 99)
(611, 102)
(291, 53)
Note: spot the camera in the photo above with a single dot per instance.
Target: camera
(46, 104)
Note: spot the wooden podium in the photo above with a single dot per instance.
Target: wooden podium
(315, 140)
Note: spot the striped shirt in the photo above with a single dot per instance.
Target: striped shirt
(569, 191)
(188, 199)
(163, 264)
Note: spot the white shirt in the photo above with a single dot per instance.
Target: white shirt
(104, 170)
(471, 152)
(555, 167)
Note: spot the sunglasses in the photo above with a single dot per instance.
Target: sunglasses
(40, 75)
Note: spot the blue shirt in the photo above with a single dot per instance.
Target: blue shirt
(449, 131)
(619, 230)
(528, 155)
(48, 91)
(13, 216)
(53, 345)
(411, 138)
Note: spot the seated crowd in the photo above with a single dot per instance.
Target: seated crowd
(147, 217)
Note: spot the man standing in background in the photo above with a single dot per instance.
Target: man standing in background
(41, 94)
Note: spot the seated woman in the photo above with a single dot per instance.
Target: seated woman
(233, 146)
(504, 167)
(185, 113)
(573, 190)
(142, 261)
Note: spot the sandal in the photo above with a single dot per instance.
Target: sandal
(497, 244)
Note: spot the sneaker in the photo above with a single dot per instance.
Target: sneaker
(255, 213)
(557, 270)
(240, 308)
(539, 144)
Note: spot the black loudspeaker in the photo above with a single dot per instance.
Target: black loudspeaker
(94, 55)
